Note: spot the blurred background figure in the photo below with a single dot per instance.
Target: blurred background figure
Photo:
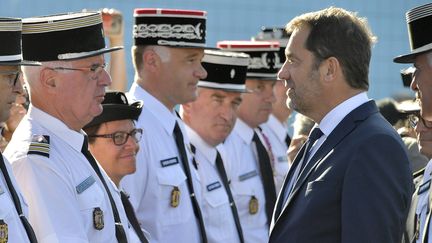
(249, 149)
(113, 25)
(276, 127)
(302, 126)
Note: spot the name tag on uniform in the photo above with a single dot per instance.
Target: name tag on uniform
(248, 175)
(85, 184)
(213, 186)
(169, 162)
(282, 159)
(424, 187)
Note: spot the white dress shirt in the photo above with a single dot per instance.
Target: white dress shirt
(8, 213)
(276, 133)
(218, 218)
(246, 182)
(159, 171)
(62, 189)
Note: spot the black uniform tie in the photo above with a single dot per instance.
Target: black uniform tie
(29, 230)
(222, 173)
(287, 140)
(266, 176)
(184, 159)
(119, 230)
(130, 213)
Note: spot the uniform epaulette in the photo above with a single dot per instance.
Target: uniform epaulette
(419, 173)
(40, 145)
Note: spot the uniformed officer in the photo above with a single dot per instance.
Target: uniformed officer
(419, 21)
(14, 226)
(113, 140)
(248, 150)
(210, 119)
(165, 190)
(71, 199)
(276, 127)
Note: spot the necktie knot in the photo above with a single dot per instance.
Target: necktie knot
(315, 134)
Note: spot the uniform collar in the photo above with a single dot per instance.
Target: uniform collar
(55, 126)
(204, 148)
(277, 127)
(164, 116)
(244, 131)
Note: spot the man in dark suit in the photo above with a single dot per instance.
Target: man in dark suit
(351, 182)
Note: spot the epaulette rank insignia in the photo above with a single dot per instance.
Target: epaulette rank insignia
(40, 145)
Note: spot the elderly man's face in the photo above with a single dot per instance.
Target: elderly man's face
(8, 89)
(422, 83)
(213, 114)
(81, 92)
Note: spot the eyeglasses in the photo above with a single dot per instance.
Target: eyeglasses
(415, 118)
(120, 138)
(96, 69)
(13, 76)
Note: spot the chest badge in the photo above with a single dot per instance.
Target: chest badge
(98, 219)
(175, 197)
(253, 205)
(3, 231)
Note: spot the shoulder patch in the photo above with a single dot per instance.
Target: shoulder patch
(248, 175)
(85, 184)
(40, 145)
(419, 172)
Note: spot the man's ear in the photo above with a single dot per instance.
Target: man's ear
(151, 60)
(48, 79)
(329, 69)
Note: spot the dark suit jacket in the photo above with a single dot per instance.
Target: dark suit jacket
(356, 188)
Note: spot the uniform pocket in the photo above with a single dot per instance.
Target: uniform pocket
(173, 195)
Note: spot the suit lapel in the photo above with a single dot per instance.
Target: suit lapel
(281, 194)
(345, 127)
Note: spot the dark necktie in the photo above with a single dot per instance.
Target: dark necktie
(313, 137)
(266, 176)
(130, 213)
(29, 230)
(222, 173)
(184, 159)
(119, 230)
(303, 155)
(287, 140)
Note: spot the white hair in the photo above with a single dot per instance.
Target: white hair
(30, 72)
(163, 52)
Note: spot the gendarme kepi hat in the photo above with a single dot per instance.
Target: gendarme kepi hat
(419, 21)
(225, 70)
(170, 27)
(116, 107)
(264, 58)
(64, 37)
(10, 48)
(278, 34)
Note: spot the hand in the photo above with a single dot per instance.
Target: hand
(113, 24)
(295, 145)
